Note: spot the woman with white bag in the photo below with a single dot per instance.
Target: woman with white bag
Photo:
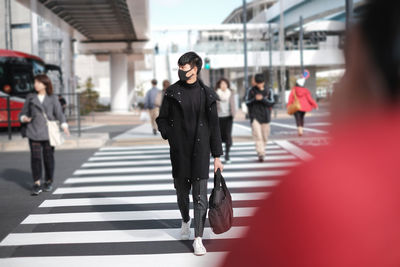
(41, 109)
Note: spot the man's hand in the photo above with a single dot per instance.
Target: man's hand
(218, 165)
(259, 97)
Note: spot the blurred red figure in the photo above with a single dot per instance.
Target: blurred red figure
(343, 207)
(307, 103)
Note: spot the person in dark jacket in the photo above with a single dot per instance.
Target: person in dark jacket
(226, 113)
(189, 120)
(259, 101)
(36, 104)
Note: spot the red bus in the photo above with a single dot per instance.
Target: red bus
(17, 70)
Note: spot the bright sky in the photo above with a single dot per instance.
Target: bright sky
(186, 12)
(178, 12)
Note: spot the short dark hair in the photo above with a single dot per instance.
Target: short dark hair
(384, 46)
(259, 78)
(43, 78)
(192, 59)
(222, 80)
(154, 82)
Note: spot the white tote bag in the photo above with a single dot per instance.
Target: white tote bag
(55, 136)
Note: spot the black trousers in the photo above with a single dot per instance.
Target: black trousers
(299, 117)
(225, 124)
(200, 201)
(39, 149)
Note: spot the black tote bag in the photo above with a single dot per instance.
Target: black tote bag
(220, 213)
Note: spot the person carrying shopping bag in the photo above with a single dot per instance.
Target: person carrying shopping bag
(39, 107)
(189, 120)
(226, 113)
(301, 94)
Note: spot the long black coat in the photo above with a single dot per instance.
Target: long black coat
(208, 137)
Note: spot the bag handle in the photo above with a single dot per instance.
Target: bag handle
(219, 180)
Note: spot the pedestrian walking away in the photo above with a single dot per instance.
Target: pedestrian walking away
(307, 103)
(63, 102)
(189, 120)
(259, 101)
(37, 105)
(160, 94)
(150, 104)
(226, 113)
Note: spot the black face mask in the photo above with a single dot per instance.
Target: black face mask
(182, 75)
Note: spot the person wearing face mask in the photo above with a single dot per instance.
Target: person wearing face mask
(342, 208)
(226, 113)
(259, 101)
(189, 121)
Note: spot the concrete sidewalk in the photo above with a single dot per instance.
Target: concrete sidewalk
(140, 133)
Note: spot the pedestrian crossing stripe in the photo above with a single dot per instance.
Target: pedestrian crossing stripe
(166, 156)
(166, 150)
(139, 185)
(118, 216)
(52, 203)
(169, 168)
(167, 161)
(168, 177)
(153, 187)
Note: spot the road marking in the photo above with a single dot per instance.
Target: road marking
(295, 127)
(167, 161)
(149, 260)
(257, 165)
(119, 216)
(144, 152)
(111, 236)
(166, 156)
(295, 150)
(168, 177)
(154, 187)
(75, 202)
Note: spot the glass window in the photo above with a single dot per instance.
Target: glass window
(38, 67)
(22, 82)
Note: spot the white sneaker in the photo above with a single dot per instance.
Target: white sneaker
(185, 230)
(199, 249)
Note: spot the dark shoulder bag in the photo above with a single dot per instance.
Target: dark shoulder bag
(220, 213)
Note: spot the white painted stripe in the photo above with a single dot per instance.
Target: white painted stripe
(166, 156)
(319, 124)
(211, 259)
(243, 127)
(119, 216)
(75, 202)
(168, 177)
(295, 150)
(295, 127)
(151, 147)
(154, 187)
(167, 161)
(257, 165)
(111, 236)
(166, 151)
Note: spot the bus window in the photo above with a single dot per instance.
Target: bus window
(38, 68)
(22, 82)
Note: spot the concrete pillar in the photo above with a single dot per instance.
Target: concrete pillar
(119, 82)
(34, 28)
(131, 83)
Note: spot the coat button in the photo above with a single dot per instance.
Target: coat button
(198, 139)
(179, 101)
(179, 93)
(198, 179)
(210, 108)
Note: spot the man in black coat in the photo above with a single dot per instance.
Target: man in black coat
(189, 120)
(259, 101)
